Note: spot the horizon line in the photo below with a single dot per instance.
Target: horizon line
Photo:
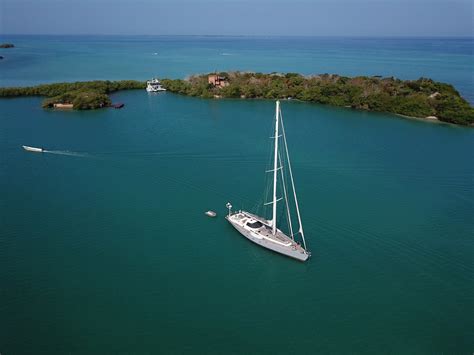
(238, 35)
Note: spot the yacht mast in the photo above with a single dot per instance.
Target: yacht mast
(275, 169)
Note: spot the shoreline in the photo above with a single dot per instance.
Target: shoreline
(421, 119)
(422, 99)
(432, 120)
(80, 95)
(428, 120)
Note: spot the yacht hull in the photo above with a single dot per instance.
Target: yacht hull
(293, 250)
(155, 90)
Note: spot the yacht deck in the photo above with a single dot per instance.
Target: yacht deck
(265, 231)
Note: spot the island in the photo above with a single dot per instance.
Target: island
(7, 45)
(85, 95)
(422, 98)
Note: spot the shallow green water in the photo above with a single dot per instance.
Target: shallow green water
(105, 248)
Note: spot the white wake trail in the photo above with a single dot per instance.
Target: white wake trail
(66, 152)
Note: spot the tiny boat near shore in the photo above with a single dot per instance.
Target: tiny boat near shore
(33, 149)
(154, 85)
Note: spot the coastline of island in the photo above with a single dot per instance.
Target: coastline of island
(81, 95)
(423, 99)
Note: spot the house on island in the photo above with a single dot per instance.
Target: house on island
(217, 80)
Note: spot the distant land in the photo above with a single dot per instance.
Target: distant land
(7, 45)
(422, 98)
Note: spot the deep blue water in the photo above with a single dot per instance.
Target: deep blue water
(105, 248)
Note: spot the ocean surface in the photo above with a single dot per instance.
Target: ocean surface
(105, 248)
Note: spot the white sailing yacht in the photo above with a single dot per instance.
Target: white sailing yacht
(266, 232)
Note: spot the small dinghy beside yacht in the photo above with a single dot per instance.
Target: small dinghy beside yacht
(33, 149)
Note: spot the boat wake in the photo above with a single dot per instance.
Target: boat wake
(66, 152)
(233, 158)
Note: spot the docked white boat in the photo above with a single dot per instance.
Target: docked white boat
(154, 85)
(265, 232)
(33, 149)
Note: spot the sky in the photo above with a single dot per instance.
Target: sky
(239, 17)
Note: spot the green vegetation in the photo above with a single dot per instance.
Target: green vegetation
(83, 95)
(418, 98)
(81, 100)
(7, 45)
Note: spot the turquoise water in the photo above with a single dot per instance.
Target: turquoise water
(105, 248)
(39, 59)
